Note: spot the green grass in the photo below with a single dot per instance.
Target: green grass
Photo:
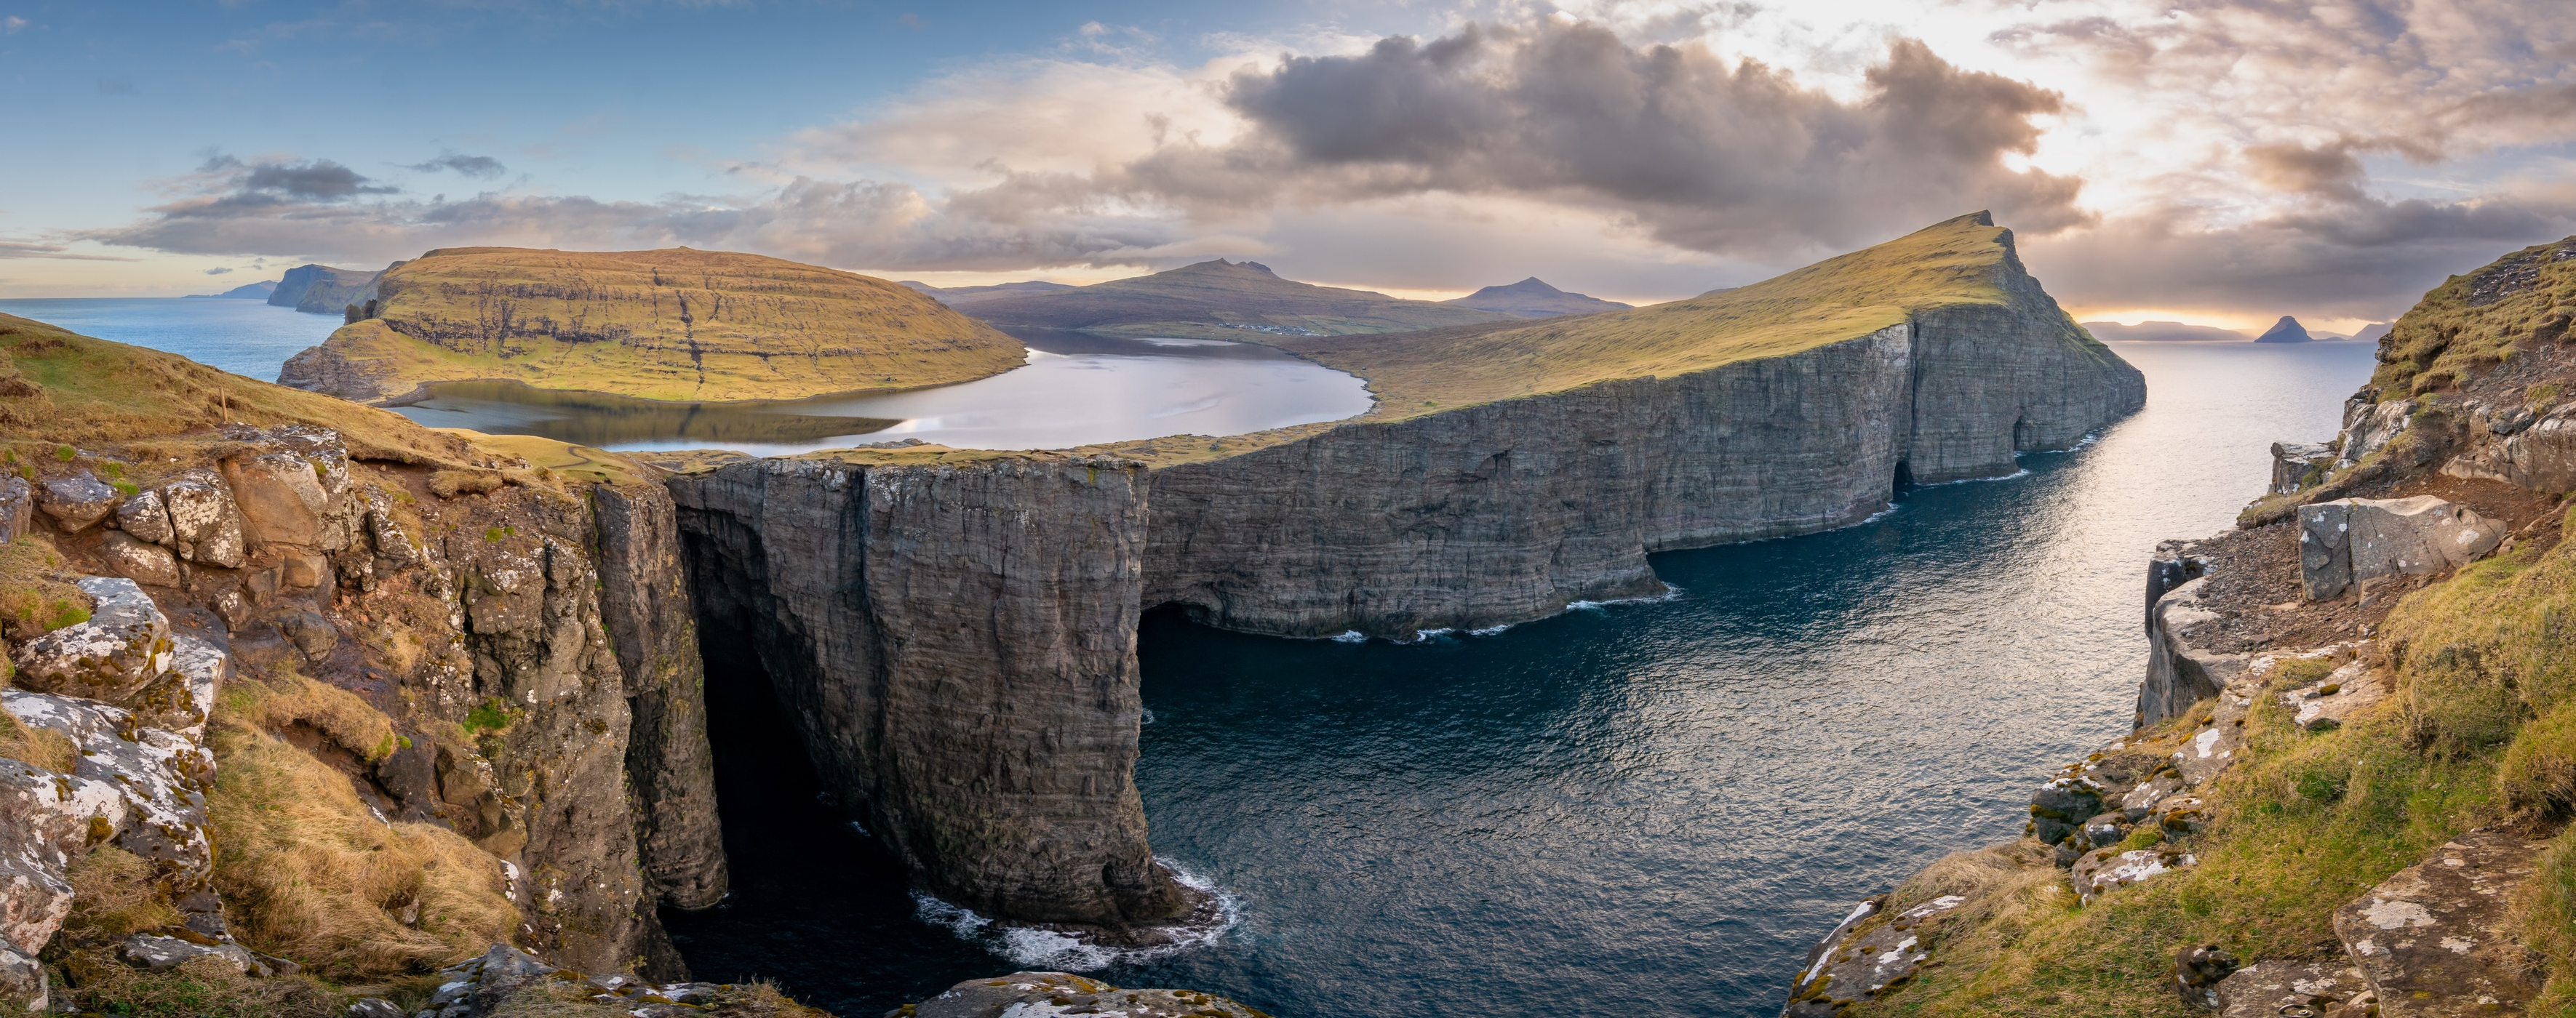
(2446, 339)
(1960, 262)
(674, 324)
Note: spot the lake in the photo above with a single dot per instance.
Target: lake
(1643, 810)
(1075, 389)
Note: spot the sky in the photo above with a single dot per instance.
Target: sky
(2217, 163)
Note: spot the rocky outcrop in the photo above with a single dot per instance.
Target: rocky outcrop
(508, 981)
(956, 644)
(1864, 958)
(319, 289)
(17, 505)
(1031, 994)
(2178, 673)
(644, 600)
(2435, 940)
(2349, 542)
(2297, 466)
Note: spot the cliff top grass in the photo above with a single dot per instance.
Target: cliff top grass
(675, 324)
(2475, 321)
(1961, 261)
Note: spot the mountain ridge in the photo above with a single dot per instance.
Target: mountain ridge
(1221, 299)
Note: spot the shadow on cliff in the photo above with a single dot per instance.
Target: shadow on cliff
(815, 906)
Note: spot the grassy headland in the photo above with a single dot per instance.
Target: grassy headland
(675, 324)
(1218, 300)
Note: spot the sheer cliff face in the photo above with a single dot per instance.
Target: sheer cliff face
(652, 625)
(957, 645)
(1507, 511)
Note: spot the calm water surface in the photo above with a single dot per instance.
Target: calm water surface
(1648, 810)
(1075, 390)
(245, 337)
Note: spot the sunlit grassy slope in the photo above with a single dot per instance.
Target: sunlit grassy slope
(675, 324)
(1957, 262)
(2473, 322)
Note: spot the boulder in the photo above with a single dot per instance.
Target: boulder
(2105, 869)
(2354, 540)
(145, 517)
(24, 987)
(204, 521)
(1046, 993)
(17, 505)
(2297, 466)
(151, 780)
(280, 497)
(44, 817)
(123, 647)
(1862, 961)
(182, 699)
(76, 502)
(144, 563)
(2272, 989)
(158, 953)
(2435, 940)
(2198, 970)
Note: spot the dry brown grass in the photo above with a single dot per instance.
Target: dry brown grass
(36, 592)
(36, 747)
(673, 324)
(285, 699)
(200, 988)
(115, 894)
(312, 875)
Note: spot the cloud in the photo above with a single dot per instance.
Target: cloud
(463, 165)
(34, 249)
(12, 25)
(217, 272)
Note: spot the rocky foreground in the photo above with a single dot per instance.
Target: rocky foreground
(2349, 786)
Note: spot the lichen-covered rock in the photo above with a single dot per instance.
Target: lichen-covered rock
(76, 502)
(2272, 989)
(2369, 427)
(140, 561)
(158, 953)
(2339, 697)
(1862, 960)
(146, 517)
(2297, 466)
(2436, 940)
(204, 521)
(17, 502)
(122, 648)
(155, 780)
(2105, 869)
(506, 980)
(2355, 540)
(1042, 994)
(2180, 674)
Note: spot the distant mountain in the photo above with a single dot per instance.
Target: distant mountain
(246, 291)
(2371, 333)
(2287, 330)
(1531, 298)
(321, 289)
(2162, 332)
(1220, 300)
(959, 296)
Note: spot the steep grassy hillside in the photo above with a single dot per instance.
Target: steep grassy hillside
(675, 324)
(2474, 322)
(1219, 300)
(320, 289)
(960, 296)
(1958, 262)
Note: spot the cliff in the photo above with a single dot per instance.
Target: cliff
(674, 324)
(2343, 795)
(446, 690)
(956, 643)
(320, 289)
(1215, 300)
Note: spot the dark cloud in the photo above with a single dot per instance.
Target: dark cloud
(463, 165)
(217, 272)
(1699, 152)
(33, 249)
(2328, 171)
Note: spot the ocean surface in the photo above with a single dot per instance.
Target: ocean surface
(1647, 809)
(245, 337)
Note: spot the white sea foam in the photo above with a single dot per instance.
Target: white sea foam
(1671, 593)
(1349, 636)
(2014, 476)
(1490, 630)
(1035, 949)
